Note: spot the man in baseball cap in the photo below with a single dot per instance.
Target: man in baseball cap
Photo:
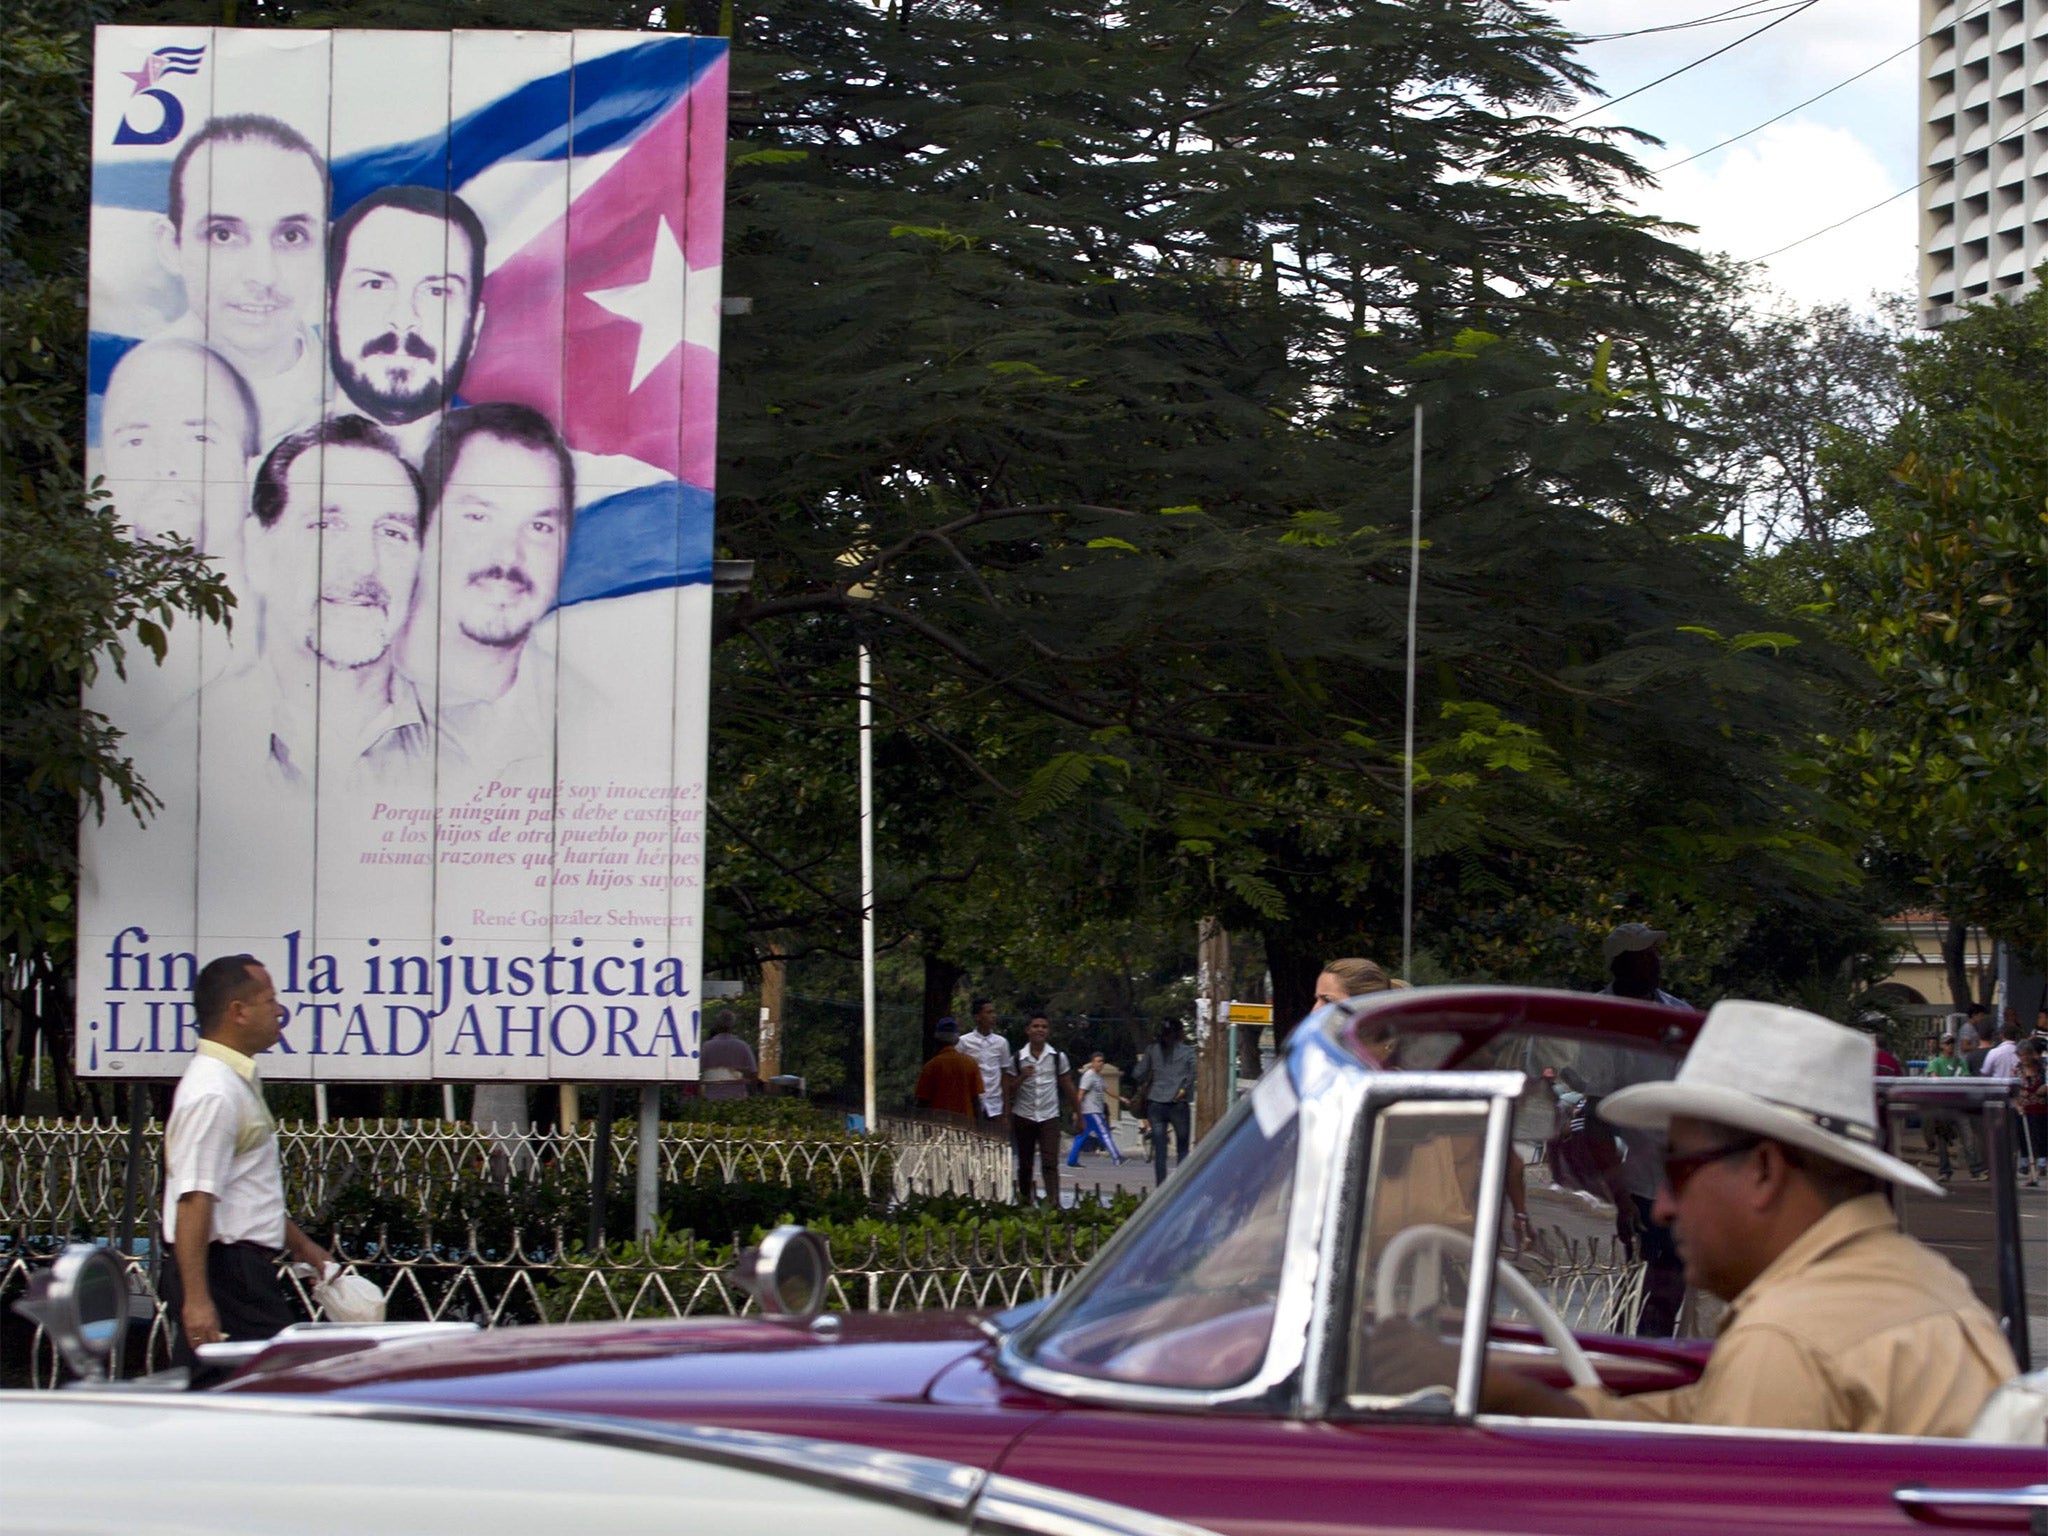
(1773, 1186)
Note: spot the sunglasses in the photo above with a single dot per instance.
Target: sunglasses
(1680, 1167)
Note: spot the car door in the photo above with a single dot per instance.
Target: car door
(1281, 1477)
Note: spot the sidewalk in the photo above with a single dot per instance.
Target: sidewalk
(1097, 1173)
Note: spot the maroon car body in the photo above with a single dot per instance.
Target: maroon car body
(1294, 1452)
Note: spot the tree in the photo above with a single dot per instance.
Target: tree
(1091, 418)
(1945, 597)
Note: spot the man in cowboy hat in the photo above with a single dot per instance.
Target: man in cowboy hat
(1773, 1185)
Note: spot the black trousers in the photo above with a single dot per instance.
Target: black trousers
(1164, 1116)
(1040, 1139)
(1663, 1275)
(247, 1293)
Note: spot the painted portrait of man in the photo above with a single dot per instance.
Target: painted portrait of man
(406, 274)
(178, 432)
(245, 232)
(337, 520)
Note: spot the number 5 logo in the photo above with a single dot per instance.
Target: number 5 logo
(165, 61)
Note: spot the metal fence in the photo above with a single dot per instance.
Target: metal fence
(60, 1176)
(62, 1181)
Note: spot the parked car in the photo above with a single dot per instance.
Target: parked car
(153, 1464)
(1208, 1367)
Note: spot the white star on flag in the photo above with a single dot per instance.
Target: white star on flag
(655, 305)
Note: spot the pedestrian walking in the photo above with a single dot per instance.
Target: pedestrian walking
(1635, 968)
(1095, 1098)
(223, 1215)
(2030, 1109)
(1947, 1127)
(726, 1062)
(1975, 1030)
(1167, 1073)
(991, 1052)
(1036, 1085)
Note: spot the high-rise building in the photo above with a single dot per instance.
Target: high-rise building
(1984, 149)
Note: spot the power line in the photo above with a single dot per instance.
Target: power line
(1802, 106)
(2006, 138)
(1614, 101)
(1744, 12)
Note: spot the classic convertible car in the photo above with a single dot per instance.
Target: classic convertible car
(1210, 1366)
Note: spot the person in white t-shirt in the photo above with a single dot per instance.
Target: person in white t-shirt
(1037, 1083)
(1095, 1115)
(224, 1216)
(991, 1052)
(2003, 1059)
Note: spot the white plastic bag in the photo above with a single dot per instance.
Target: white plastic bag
(346, 1297)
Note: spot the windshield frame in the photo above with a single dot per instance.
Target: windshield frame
(1335, 1095)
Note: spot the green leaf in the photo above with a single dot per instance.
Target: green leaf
(1054, 785)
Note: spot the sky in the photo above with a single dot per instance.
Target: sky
(1820, 164)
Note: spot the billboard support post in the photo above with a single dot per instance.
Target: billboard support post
(647, 1170)
(600, 1167)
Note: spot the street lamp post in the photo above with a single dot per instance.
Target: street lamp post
(867, 888)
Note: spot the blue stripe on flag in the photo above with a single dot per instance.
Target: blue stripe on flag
(617, 96)
(144, 185)
(102, 350)
(638, 540)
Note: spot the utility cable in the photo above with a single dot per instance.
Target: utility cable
(1802, 106)
(1944, 170)
(1615, 101)
(1747, 11)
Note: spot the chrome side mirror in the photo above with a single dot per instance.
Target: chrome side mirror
(788, 1274)
(81, 1302)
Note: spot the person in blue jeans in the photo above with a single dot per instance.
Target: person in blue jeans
(1167, 1071)
(1094, 1115)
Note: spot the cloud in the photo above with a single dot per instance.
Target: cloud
(1786, 182)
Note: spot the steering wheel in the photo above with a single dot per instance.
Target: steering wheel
(1412, 1243)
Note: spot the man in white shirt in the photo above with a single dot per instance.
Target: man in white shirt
(1037, 1083)
(224, 1216)
(2003, 1059)
(991, 1052)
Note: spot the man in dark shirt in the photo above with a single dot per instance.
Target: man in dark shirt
(1167, 1073)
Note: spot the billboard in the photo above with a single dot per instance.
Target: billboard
(415, 334)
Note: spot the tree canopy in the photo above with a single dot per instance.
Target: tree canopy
(1946, 596)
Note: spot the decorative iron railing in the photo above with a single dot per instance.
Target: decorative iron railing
(69, 1176)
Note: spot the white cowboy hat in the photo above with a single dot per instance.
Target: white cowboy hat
(1777, 1072)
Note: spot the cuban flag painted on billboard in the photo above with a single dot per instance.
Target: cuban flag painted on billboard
(601, 308)
(415, 334)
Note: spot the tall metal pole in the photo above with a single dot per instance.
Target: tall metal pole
(867, 890)
(1408, 747)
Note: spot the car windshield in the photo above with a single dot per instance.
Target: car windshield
(1188, 1300)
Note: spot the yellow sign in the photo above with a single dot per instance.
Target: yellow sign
(1251, 1013)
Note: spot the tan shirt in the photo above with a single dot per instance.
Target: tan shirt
(1854, 1327)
